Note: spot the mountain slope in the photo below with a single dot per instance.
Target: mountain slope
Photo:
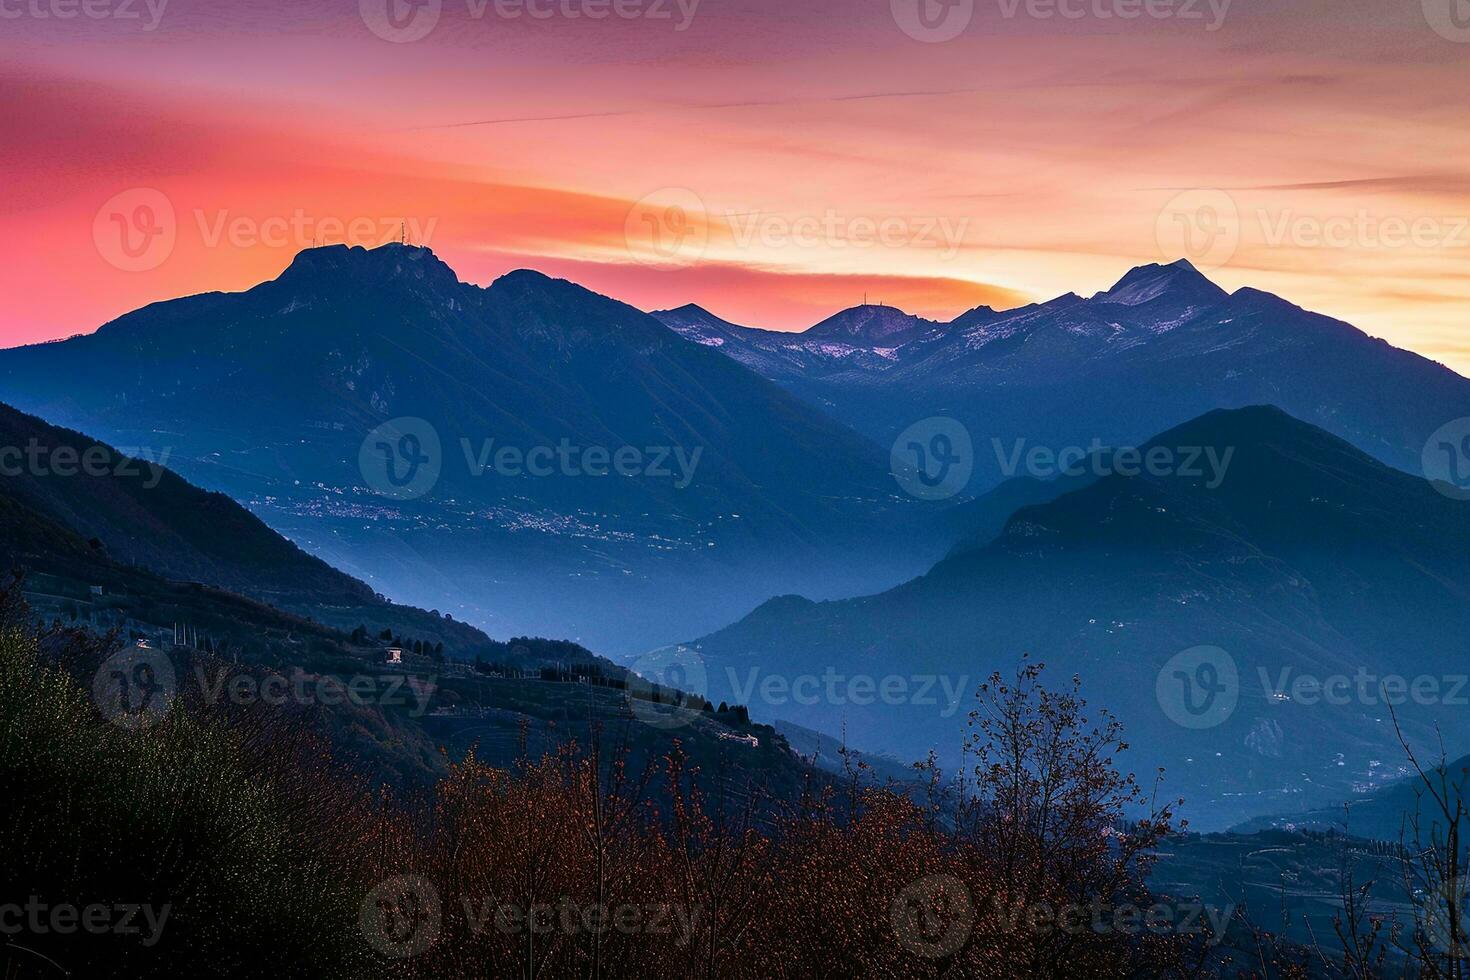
(1384, 812)
(145, 515)
(107, 548)
(1308, 557)
(77, 509)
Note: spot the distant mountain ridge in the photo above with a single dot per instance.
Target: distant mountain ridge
(1160, 347)
(790, 358)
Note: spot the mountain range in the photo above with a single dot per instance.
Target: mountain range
(1162, 346)
(759, 460)
(279, 396)
(359, 403)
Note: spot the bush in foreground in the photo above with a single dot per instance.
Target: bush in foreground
(247, 853)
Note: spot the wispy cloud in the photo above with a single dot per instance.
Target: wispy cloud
(708, 106)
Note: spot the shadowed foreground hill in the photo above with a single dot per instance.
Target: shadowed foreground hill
(250, 855)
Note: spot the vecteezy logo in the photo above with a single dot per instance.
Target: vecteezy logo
(401, 916)
(1200, 225)
(1446, 459)
(933, 459)
(1199, 687)
(668, 229)
(401, 459)
(933, 917)
(400, 21)
(135, 687)
(932, 21)
(667, 686)
(136, 230)
(1449, 18)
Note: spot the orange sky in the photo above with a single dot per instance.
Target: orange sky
(772, 161)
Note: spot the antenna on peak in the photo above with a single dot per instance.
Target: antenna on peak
(403, 233)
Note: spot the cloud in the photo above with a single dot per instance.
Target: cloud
(1449, 184)
(711, 106)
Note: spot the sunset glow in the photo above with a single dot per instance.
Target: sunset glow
(803, 155)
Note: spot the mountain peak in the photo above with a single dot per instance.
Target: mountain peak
(870, 324)
(696, 323)
(1146, 283)
(1249, 423)
(529, 276)
(390, 261)
(687, 311)
(979, 316)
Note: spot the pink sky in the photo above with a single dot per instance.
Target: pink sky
(790, 156)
